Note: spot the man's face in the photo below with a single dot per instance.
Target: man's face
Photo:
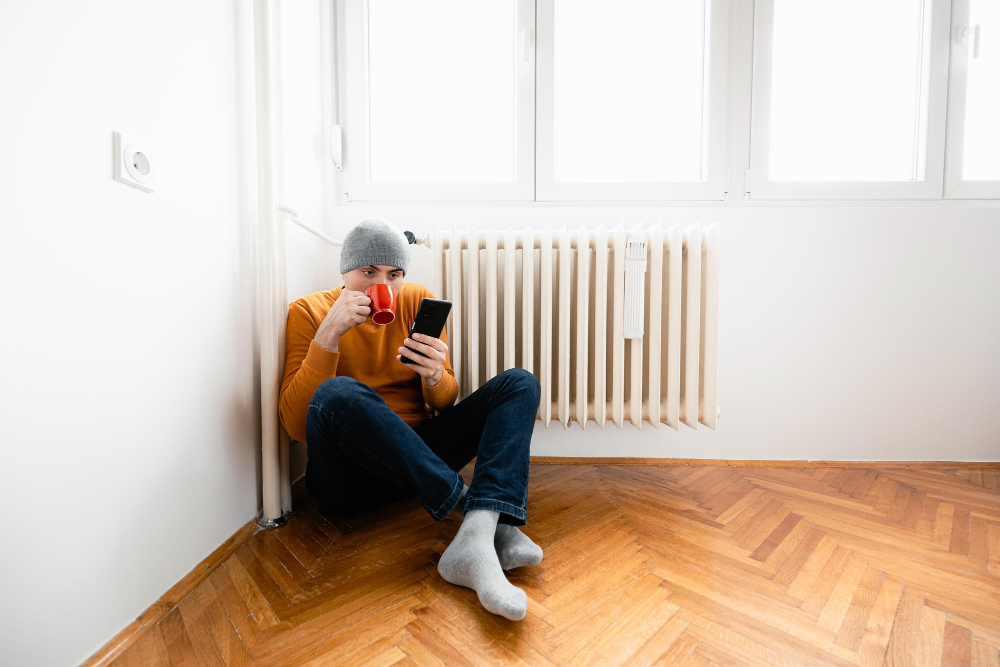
(364, 277)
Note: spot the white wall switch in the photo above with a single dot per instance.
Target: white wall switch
(132, 163)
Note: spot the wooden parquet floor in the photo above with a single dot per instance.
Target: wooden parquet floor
(644, 564)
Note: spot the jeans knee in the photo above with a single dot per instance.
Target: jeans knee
(521, 377)
(339, 393)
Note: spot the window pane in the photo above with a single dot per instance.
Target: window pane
(845, 90)
(981, 155)
(441, 91)
(628, 90)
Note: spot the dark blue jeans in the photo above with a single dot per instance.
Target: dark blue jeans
(363, 455)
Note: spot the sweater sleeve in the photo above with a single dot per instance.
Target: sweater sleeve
(442, 395)
(307, 366)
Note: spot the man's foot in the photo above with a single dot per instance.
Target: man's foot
(514, 548)
(471, 561)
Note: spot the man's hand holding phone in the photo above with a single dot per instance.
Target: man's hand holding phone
(428, 359)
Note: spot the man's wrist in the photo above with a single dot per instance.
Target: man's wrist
(433, 384)
(331, 344)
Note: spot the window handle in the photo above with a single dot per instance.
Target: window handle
(970, 31)
(526, 44)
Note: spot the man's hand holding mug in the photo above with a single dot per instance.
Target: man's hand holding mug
(350, 309)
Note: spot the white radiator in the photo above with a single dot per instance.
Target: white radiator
(562, 316)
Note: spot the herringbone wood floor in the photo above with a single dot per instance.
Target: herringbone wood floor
(643, 564)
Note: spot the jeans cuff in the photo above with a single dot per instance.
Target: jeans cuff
(448, 505)
(517, 516)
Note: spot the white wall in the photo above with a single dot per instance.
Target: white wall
(307, 113)
(129, 388)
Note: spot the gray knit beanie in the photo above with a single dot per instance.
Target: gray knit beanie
(374, 241)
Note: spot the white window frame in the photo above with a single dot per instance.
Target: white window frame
(714, 122)
(955, 186)
(761, 187)
(357, 157)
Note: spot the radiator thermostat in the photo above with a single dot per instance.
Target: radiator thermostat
(635, 286)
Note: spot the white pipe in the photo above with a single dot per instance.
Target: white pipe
(270, 288)
(293, 216)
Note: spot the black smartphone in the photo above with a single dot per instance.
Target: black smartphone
(431, 317)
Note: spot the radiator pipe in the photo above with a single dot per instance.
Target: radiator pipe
(272, 306)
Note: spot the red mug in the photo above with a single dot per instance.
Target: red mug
(383, 303)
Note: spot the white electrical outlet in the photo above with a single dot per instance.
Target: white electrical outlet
(132, 163)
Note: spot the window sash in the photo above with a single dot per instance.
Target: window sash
(714, 122)
(357, 157)
(761, 187)
(955, 186)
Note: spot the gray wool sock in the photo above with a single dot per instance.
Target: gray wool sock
(514, 548)
(471, 561)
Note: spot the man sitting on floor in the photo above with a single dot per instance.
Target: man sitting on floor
(371, 438)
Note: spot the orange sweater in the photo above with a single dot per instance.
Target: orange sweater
(367, 354)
